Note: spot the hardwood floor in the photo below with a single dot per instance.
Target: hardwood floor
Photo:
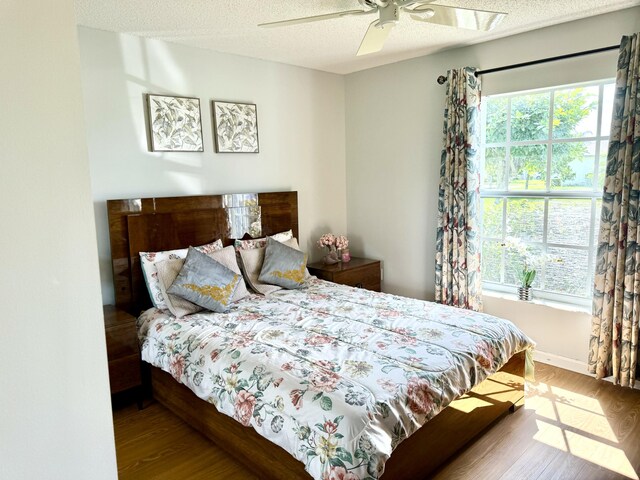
(571, 427)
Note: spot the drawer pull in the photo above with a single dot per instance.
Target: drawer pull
(359, 285)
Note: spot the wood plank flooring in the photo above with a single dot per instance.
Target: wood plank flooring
(571, 427)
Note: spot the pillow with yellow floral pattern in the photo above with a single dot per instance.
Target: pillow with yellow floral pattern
(205, 282)
(283, 266)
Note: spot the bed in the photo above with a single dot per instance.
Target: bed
(335, 375)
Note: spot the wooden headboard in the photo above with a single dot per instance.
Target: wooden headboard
(156, 224)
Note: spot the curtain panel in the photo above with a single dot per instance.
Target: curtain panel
(458, 235)
(613, 348)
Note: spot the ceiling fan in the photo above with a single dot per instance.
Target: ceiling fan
(389, 14)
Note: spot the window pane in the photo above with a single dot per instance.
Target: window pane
(525, 218)
(514, 263)
(539, 149)
(530, 117)
(495, 168)
(569, 221)
(602, 164)
(496, 128)
(575, 112)
(528, 168)
(491, 260)
(492, 217)
(607, 109)
(566, 271)
(572, 165)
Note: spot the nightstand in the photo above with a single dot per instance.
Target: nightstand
(359, 272)
(123, 351)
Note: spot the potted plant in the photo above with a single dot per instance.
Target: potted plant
(526, 276)
(525, 265)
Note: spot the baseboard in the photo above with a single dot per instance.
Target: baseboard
(568, 364)
(560, 361)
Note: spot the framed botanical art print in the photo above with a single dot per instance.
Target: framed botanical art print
(174, 124)
(235, 127)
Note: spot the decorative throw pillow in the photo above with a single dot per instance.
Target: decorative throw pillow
(262, 242)
(251, 263)
(168, 271)
(283, 265)
(150, 271)
(205, 282)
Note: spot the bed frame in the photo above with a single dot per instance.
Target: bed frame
(154, 224)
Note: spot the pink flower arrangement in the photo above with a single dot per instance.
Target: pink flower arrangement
(342, 242)
(327, 240)
(330, 240)
(334, 243)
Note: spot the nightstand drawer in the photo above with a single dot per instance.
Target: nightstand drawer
(368, 277)
(123, 351)
(359, 272)
(124, 373)
(122, 341)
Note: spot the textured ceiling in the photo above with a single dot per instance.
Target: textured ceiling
(231, 26)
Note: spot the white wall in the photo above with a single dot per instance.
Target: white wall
(394, 139)
(55, 415)
(301, 115)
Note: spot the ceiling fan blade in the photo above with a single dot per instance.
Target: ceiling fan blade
(374, 38)
(457, 17)
(316, 18)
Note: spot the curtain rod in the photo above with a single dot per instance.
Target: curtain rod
(442, 79)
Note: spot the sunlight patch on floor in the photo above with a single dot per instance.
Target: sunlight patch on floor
(467, 404)
(576, 424)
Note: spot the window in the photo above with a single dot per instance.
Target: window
(543, 167)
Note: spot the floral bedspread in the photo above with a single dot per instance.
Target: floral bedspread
(336, 376)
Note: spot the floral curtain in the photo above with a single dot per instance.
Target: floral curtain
(458, 237)
(616, 298)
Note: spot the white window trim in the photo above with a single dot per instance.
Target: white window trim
(548, 194)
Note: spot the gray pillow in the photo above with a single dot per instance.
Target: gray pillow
(251, 263)
(283, 265)
(168, 270)
(205, 282)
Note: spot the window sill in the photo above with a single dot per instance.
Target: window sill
(567, 307)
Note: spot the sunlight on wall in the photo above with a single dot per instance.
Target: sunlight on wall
(576, 424)
(149, 68)
(185, 181)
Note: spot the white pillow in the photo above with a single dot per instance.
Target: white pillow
(150, 271)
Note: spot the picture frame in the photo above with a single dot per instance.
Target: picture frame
(235, 127)
(174, 123)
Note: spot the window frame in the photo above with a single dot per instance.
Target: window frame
(548, 194)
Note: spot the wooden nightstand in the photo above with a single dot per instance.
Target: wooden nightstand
(123, 351)
(359, 272)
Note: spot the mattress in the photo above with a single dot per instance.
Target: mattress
(336, 376)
